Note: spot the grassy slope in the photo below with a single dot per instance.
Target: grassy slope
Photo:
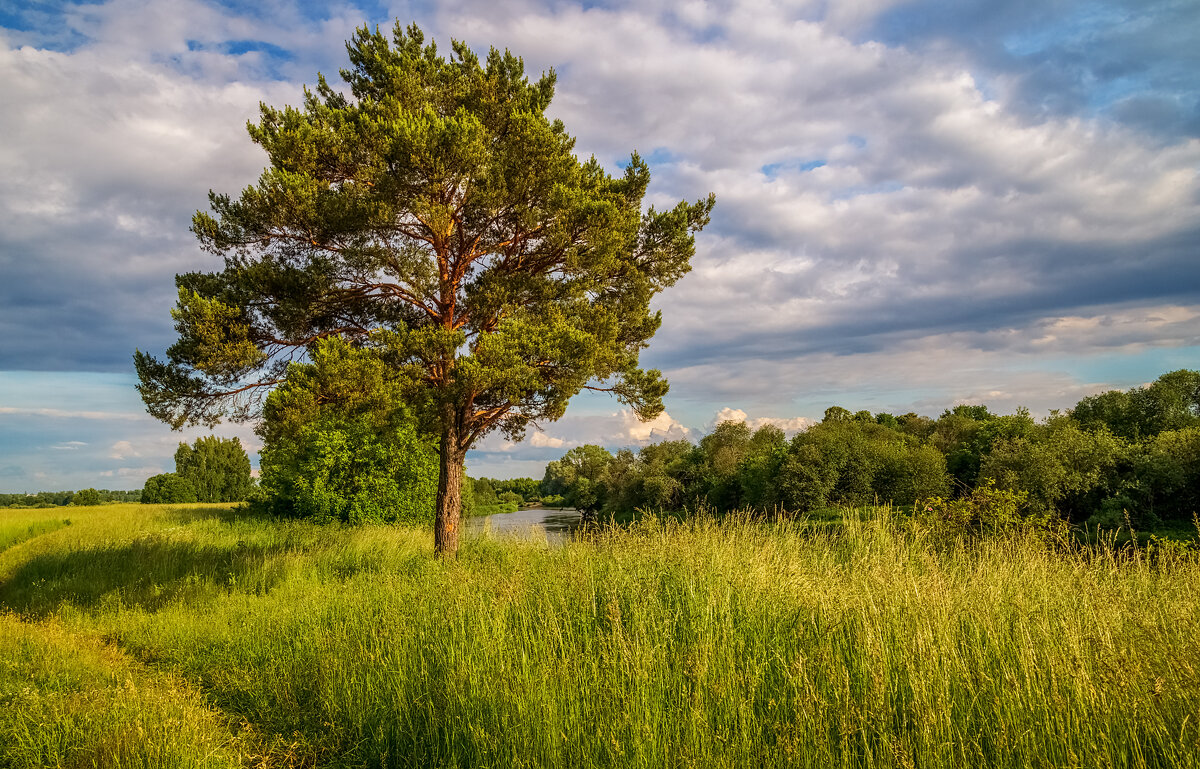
(694, 644)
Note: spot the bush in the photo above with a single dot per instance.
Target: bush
(347, 471)
(986, 510)
(340, 445)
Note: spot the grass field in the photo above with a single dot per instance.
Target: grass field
(148, 636)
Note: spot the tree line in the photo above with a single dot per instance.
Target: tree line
(1118, 455)
(63, 498)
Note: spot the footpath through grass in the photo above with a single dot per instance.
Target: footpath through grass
(195, 636)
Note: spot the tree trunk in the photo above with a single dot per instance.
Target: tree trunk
(449, 498)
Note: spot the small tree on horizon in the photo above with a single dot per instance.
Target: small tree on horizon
(438, 218)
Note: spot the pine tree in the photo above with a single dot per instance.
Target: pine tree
(437, 217)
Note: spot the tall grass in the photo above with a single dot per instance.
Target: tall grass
(17, 526)
(696, 643)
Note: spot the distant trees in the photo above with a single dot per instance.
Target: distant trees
(857, 462)
(843, 460)
(217, 468)
(580, 477)
(1172, 402)
(61, 498)
(1118, 455)
(86, 497)
(213, 469)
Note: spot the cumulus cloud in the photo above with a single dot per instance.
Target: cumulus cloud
(541, 440)
(619, 429)
(123, 449)
(633, 430)
(789, 425)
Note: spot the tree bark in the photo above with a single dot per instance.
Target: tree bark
(449, 498)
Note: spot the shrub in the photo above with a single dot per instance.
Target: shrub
(346, 470)
(985, 510)
(340, 444)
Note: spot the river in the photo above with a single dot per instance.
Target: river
(553, 524)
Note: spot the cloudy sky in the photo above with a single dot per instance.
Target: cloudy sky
(920, 202)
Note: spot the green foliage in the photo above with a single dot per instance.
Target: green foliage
(212, 469)
(216, 468)
(168, 488)
(528, 489)
(986, 510)
(1161, 481)
(340, 444)
(856, 462)
(1061, 467)
(86, 497)
(579, 477)
(759, 468)
(61, 498)
(483, 492)
(491, 495)
(1171, 402)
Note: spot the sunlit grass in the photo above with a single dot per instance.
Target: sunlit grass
(697, 643)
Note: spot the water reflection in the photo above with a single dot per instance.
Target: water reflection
(555, 525)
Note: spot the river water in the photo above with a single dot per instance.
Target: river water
(555, 525)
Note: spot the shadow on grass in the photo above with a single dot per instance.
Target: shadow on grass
(148, 573)
(224, 514)
(18, 535)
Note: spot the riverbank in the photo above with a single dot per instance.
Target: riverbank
(698, 643)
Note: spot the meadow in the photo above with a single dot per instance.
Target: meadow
(201, 636)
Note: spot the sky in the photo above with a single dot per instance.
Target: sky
(920, 203)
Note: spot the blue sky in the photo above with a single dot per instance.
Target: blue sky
(920, 203)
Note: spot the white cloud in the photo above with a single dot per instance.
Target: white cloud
(540, 440)
(729, 415)
(139, 474)
(619, 429)
(122, 450)
(664, 427)
(789, 425)
(68, 446)
(68, 413)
